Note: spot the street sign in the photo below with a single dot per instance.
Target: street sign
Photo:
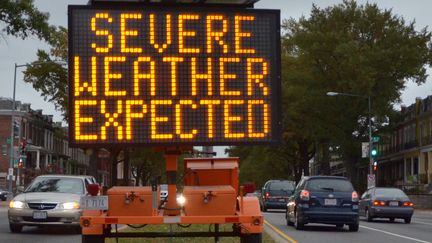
(8, 140)
(371, 180)
(10, 171)
(365, 150)
(173, 76)
(375, 139)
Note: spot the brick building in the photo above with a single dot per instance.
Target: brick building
(406, 154)
(45, 144)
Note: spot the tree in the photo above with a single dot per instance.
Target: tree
(48, 75)
(357, 49)
(146, 163)
(21, 19)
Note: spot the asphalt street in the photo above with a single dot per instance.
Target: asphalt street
(420, 230)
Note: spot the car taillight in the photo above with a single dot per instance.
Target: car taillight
(408, 204)
(379, 203)
(267, 195)
(354, 196)
(304, 195)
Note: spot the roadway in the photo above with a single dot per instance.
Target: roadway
(419, 230)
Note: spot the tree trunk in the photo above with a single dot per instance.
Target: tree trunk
(126, 163)
(325, 160)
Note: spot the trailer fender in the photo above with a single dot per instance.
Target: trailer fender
(249, 206)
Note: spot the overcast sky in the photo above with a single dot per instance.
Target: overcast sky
(23, 51)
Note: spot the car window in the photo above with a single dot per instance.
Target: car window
(328, 184)
(365, 195)
(52, 184)
(389, 192)
(281, 185)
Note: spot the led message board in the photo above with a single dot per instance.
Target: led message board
(141, 75)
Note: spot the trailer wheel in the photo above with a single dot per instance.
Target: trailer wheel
(251, 238)
(93, 239)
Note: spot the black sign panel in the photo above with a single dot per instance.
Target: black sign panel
(173, 76)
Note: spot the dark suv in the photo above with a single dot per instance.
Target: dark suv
(275, 194)
(326, 200)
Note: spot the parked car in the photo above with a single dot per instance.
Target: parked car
(49, 200)
(323, 199)
(275, 194)
(3, 193)
(381, 202)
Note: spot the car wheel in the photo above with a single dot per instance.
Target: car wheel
(15, 228)
(392, 219)
(407, 220)
(354, 227)
(368, 215)
(288, 221)
(339, 226)
(298, 223)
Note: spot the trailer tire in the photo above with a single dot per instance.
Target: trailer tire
(93, 239)
(251, 238)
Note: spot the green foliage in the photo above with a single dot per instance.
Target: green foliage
(146, 164)
(48, 75)
(21, 18)
(259, 164)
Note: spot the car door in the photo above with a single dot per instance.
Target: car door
(292, 199)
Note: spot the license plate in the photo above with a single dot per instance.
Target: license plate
(94, 202)
(39, 215)
(330, 202)
(281, 199)
(394, 204)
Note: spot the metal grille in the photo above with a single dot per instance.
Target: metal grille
(42, 206)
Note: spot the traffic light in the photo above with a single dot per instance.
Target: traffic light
(375, 164)
(374, 152)
(23, 147)
(20, 163)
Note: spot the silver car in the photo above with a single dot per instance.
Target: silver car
(49, 200)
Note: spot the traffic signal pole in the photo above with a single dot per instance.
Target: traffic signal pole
(371, 160)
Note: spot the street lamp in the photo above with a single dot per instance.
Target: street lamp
(12, 155)
(369, 123)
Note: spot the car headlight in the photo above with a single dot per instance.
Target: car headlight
(16, 204)
(70, 205)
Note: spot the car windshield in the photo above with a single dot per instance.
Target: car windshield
(389, 192)
(329, 185)
(55, 184)
(281, 188)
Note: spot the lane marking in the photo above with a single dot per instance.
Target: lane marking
(287, 237)
(397, 235)
(420, 222)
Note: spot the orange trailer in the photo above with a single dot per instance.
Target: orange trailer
(211, 196)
